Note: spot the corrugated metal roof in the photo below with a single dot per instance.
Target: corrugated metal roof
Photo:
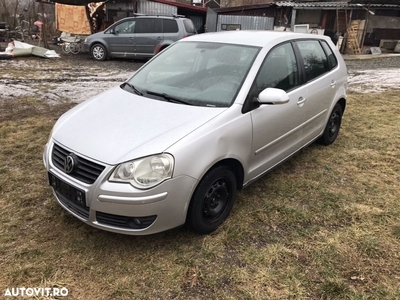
(311, 4)
(333, 4)
(268, 3)
(381, 2)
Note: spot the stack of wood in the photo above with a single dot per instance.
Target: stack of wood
(353, 45)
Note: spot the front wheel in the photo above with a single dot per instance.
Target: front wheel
(212, 201)
(99, 52)
(332, 127)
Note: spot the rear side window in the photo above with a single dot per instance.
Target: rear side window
(170, 26)
(331, 57)
(314, 58)
(148, 25)
(189, 27)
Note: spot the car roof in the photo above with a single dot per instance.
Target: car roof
(251, 38)
(159, 17)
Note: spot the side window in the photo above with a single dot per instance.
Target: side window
(170, 26)
(125, 27)
(314, 58)
(331, 57)
(189, 27)
(148, 25)
(279, 70)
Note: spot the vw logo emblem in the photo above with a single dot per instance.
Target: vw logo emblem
(69, 164)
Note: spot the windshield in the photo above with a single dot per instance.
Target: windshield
(196, 73)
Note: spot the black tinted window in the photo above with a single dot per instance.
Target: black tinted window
(148, 26)
(314, 58)
(279, 70)
(189, 27)
(331, 57)
(170, 26)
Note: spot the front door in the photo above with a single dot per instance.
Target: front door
(121, 41)
(277, 129)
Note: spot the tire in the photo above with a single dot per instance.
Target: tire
(212, 201)
(332, 127)
(66, 47)
(75, 48)
(99, 52)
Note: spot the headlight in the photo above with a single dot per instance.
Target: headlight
(145, 172)
(85, 41)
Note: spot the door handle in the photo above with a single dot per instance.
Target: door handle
(301, 101)
(159, 38)
(333, 83)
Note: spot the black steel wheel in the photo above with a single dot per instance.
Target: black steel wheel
(332, 127)
(212, 201)
(99, 52)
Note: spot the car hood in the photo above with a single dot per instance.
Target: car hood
(118, 126)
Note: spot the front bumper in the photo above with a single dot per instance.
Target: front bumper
(121, 208)
(86, 47)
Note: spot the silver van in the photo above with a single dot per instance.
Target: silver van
(202, 119)
(138, 37)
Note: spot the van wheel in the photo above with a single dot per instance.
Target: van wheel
(99, 52)
(212, 201)
(332, 127)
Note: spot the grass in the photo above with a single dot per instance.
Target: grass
(324, 225)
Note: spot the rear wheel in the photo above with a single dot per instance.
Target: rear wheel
(332, 127)
(75, 48)
(212, 201)
(99, 52)
(66, 47)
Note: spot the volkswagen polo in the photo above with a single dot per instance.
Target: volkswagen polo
(204, 118)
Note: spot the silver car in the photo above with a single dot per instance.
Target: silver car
(202, 119)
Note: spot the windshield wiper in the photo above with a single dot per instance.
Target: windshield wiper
(168, 97)
(137, 92)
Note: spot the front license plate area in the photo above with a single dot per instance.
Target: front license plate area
(73, 194)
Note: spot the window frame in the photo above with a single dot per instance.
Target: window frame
(249, 104)
(301, 61)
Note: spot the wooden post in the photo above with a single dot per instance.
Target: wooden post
(43, 32)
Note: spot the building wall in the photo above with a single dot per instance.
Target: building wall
(382, 22)
(155, 8)
(245, 22)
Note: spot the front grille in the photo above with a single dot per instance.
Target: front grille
(83, 212)
(85, 170)
(124, 221)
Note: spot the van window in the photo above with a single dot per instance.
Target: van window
(148, 25)
(125, 27)
(170, 26)
(314, 58)
(279, 70)
(189, 27)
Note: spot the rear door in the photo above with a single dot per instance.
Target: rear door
(148, 36)
(321, 85)
(171, 31)
(277, 129)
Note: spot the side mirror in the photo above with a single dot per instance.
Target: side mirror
(273, 96)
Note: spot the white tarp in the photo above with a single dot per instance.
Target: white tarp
(17, 48)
